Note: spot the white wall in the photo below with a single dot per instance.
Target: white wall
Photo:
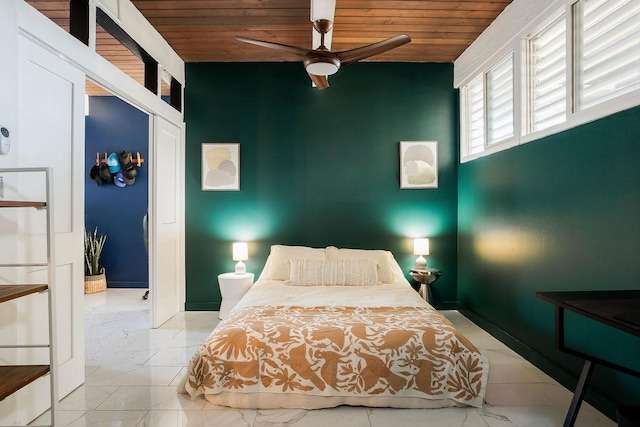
(8, 74)
(11, 310)
(8, 119)
(17, 17)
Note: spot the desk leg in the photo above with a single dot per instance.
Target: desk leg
(587, 369)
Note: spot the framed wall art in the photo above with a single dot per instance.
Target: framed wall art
(419, 164)
(220, 166)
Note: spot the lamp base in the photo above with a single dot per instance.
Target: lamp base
(241, 268)
(421, 263)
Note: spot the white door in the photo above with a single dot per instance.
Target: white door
(51, 133)
(165, 236)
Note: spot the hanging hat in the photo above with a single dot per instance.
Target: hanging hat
(94, 174)
(128, 181)
(125, 159)
(119, 180)
(105, 174)
(113, 163)
(130, 173)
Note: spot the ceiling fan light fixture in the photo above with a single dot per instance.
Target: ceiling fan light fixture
(322, 69)
(320, 61)
(321, 66)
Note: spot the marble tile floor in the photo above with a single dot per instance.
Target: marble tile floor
(132, 372)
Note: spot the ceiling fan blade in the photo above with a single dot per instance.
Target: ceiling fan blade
(322, 9)
(353, 55)
(271, 45)
(321, 82)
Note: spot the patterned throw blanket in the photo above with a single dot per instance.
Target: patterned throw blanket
(340, 351)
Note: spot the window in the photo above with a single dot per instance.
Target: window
(500, 102)
(475, 115)
(607, 50)
(548, 76)
(539, 71)
(490, 124)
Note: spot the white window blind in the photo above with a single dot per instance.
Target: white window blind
(607, 49)
(475, 115)
(500, 102)
(547, 76)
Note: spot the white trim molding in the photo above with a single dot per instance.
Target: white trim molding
(499, 38)
(46, 33)
(133, 22)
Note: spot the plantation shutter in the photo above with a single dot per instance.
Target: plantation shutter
(547, 76)
(607, 49)
(500, 102)
(475, 112)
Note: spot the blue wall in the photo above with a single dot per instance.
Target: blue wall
(558, 214)
(318, 168)
(114, 126)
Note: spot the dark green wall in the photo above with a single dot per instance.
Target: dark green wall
(318, 168)
(557, 214)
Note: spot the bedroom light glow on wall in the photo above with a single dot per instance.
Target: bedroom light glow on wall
(420, 248)
(240, 253)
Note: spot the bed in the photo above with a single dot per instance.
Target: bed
(327, 327)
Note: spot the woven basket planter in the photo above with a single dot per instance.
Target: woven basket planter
(97, 283)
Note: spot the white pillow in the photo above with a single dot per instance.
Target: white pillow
(351, 272)
(343, 272)
(279, 266)
(385, 273)
(306, 272)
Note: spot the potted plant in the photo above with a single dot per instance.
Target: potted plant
(95, 279)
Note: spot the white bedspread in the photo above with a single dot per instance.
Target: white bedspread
(230, 369)
(276, 293)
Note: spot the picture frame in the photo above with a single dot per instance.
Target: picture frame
(418, 164)
(220, 166)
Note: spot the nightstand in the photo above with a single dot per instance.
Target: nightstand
(426, 277)
(232, 287)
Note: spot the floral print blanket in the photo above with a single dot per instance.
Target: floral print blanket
(339, 351)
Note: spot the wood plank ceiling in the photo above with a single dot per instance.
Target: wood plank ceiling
(204, 30)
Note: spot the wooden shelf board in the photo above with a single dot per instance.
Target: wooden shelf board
(17, 204)
(9, 292)
(13, 378)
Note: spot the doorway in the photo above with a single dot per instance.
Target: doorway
(123, 216)
(117, 189)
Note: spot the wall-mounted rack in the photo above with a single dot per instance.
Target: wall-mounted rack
(138, 160)
(14, 376)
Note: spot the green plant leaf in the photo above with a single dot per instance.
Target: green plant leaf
(93, 245)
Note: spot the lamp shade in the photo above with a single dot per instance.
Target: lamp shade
(240, 251)
(421, 246)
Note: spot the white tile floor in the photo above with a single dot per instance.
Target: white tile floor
(132, 372)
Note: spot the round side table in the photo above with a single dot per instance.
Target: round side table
(232, 287)
(426, 278)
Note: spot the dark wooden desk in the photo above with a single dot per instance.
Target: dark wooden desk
(618, 309)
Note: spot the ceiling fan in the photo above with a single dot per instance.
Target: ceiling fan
(321, 62)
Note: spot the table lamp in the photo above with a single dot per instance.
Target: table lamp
(240, 253)
(421, 247)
